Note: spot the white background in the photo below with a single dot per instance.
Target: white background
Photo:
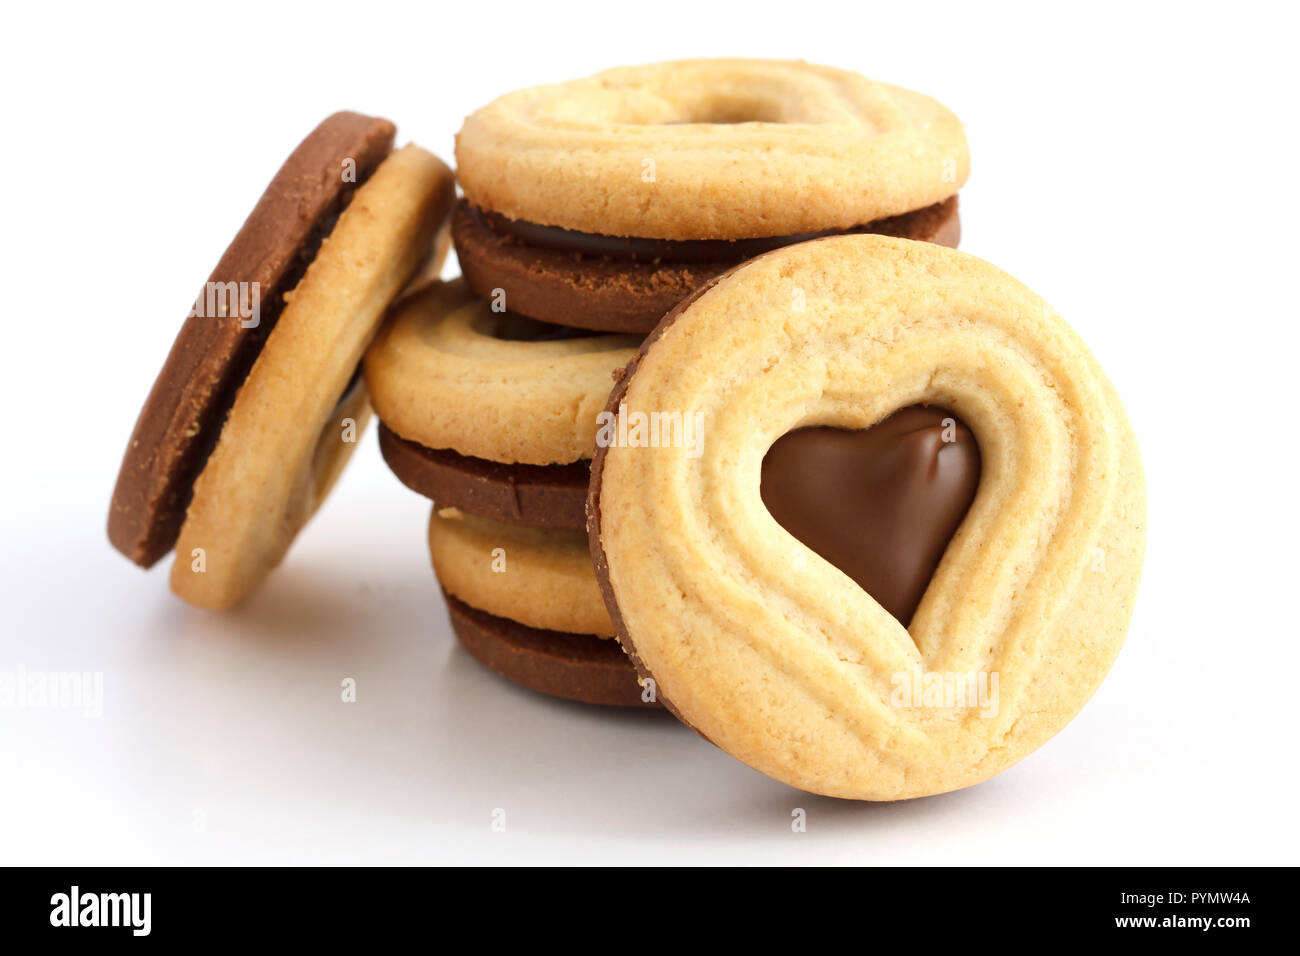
(1134, 166)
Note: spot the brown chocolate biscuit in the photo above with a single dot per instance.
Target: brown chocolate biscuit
(541, 496)
(573, 666)
(212, 355)
(620, 284)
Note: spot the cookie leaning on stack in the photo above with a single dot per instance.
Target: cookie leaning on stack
(753, 619)
(258, 405)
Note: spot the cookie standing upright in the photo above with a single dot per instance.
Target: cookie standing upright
(778, 654)
(258, 404)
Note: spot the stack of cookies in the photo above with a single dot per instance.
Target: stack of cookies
(704, 425)
(490, 414)
(591, 209)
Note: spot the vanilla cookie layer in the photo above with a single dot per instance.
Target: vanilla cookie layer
(440, 375)
(289, 434)
(541, 577)
(722, 149)
(779, 657)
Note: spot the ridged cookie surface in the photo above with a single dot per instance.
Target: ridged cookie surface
(441, 374)
(724, 149)
(780, 658)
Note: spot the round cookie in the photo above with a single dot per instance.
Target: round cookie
(540, 496)
(782, 659)
(448, 372)
(717, 149)
(286, 436)
(572, 666)
(228, 326)
(620, 284)
(541, 577)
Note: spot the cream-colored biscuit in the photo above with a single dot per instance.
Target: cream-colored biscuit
(439, 375)
(724, 149)
(777, 656)
(286, 437)
(541, 577)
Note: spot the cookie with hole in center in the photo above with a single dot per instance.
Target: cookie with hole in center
(259, 403)
(602, 202)
(749, 590)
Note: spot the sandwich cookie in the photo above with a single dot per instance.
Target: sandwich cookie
(258, 404)
(791, 617)
(494, 416)
(489, 411)
(447, 371)
(603, 202)
(525, 603)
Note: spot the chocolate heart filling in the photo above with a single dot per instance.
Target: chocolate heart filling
(880, 504)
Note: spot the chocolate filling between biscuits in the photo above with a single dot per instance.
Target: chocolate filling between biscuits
(624, 284)
(696, 251)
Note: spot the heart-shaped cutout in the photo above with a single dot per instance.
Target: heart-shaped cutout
(881, 504)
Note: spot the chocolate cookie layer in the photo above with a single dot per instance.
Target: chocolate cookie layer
(542, 496)
(881, 504)
(577, 667)
(212, 355)
(625, 284)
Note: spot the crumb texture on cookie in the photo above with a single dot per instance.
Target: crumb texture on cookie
(441, 375)
(779, 657)
(725, 149)
(541, 577)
